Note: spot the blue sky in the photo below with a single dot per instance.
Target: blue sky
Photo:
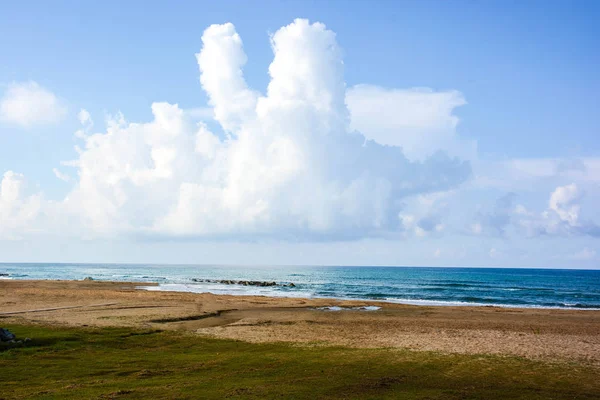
(509, 88)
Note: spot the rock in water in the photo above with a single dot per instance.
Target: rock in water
(243, 283)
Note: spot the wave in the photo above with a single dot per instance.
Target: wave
(273, 292)
(561, 306)
(484, 286)
(441, 286)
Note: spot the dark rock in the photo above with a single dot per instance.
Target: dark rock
(89, 278)
(6, 336)
(242, 282)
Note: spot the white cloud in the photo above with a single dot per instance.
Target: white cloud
(290, 165)
(18, 209)
(221, 61)
(419, 120)
(27, 104)
(564, 201)
(562, 217)
(60, 175)
(84, 117)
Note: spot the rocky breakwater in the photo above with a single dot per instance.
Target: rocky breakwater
(243, 283)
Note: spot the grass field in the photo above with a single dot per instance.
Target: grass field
(82, 363)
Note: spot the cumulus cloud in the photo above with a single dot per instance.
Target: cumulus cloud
(420, 120)
(564, 201)
(18, 208)
(289, 163)
(562, 217)
(286, 164)
(307, 159)
(28, 104)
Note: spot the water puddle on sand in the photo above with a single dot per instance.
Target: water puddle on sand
(337, 308)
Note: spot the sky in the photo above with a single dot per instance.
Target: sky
(400, 133)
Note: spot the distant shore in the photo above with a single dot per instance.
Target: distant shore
(530, 332)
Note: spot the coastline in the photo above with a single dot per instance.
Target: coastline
(411, 302)
(538, 333)
(409, 285)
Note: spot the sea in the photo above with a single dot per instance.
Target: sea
(504, 287)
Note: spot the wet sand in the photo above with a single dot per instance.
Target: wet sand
(548, 334)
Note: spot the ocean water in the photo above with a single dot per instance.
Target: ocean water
(545, 288)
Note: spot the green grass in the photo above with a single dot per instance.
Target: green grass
(65, 363)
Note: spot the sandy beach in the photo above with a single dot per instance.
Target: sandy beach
(549, 334)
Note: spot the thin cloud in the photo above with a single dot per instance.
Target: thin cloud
(27, 104)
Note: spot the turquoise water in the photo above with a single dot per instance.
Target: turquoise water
(412, 285)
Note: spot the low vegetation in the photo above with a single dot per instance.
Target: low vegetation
(70, 363)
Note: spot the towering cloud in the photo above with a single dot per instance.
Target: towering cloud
(285, 163)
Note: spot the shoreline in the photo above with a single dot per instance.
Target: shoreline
(147, 286)
(418, 302)
(555, 334)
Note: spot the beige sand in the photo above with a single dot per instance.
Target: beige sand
(533, 333)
